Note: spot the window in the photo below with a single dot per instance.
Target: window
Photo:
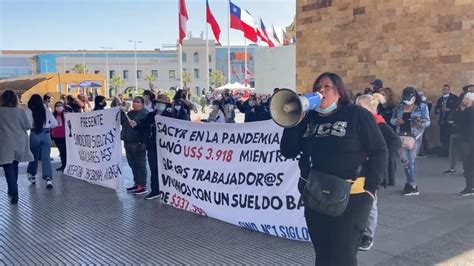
(67, 71)
(154, 73)
(139, 74)
(111, 73)
(210, 58)
(96, 71)
(196, 73)
(125, 74)
(196, 57)
(210, 70)
(185, 58)
(172, 74)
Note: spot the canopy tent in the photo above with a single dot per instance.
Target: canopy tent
(235, 86)
(86, 84)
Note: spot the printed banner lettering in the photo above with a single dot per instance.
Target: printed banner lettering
(93, 147)
(231, 172)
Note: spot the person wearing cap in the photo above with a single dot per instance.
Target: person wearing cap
(163, 108)
(376, 85)
(464, 119)
(410, 117)
(447, 103)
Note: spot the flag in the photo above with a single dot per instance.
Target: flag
(275, 36)
(240, 19)
(213, 22)
(183, 19)
(262, 34)
(285, 37)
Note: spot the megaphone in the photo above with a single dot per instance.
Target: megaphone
(288, 109)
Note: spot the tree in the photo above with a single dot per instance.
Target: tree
(79, 68)
(216, 78)
(116, 83)
(187, 78)
(150, 79)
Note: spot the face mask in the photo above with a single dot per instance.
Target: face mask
(423, 98)
(410, 102)
(251, 103)
(445, 95)
(177, 107)
(161, 107)
(328, 109)
(59, 109)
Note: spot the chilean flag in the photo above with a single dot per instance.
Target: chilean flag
(213, 22)
(183, 20)
(263, 35)
(240, 19)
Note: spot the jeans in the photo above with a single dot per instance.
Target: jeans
(445, 130)
(468, 163)
(392, 166)
(153, 163)
(336, 239)
(408, 161)
(40, 144)
(372, 221)
(11, 175)
(136, 158)
(61, 144)
(454, 150)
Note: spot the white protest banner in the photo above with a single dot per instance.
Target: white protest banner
(231, 172)
(93, 147)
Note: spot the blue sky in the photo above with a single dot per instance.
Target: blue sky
(90, 24)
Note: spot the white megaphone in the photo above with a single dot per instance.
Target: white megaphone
(288, 109)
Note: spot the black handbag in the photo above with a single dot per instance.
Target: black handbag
(326, 193)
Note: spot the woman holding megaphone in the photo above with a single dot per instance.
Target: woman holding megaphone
(343, 156)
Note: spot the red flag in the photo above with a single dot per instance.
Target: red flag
(183, 19)
(213, 22)
(240, 19)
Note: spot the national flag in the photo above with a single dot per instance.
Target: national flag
(285, 38)
(275, 37)
(262, 33)
(183, 20)
(240, 19)
(213, 22)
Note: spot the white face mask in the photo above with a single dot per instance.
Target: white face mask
(410, 102)
(177, 107)
(161, 107)
(59, 109)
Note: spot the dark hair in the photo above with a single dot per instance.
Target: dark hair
(179, 95)
(98, 102)
(36, 105)
(140, 98)
(46, 97)
(389, 97)
(9, 99)
(417, 95)
(338, 85)
(55, 113)
(446, 85)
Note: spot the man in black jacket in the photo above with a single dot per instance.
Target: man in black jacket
(446, 104)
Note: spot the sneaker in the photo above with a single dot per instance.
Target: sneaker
(466, 192)
(131, 189)
(411, 190)
(450, 171)
(422, 156)
(32, 179)
(152, 195)
(49, 184)
(14, 199)
(60, 169)
(140, 190)
(366, 243)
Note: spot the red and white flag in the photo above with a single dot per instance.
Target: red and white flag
(262, 33)
(240, 19)
(213, 22)
(183, 20)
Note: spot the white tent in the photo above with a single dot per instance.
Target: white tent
(235, 86)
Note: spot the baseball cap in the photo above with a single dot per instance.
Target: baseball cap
(377, 83)
(408, 93)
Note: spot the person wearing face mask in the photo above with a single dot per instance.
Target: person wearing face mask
(163, 108)
(446, 103)
(228, 104)
(217, 114)
(150, 100)
(135, 139)
(181, 106)
(58, 134)
(249, 108)
(99, 103)
(342, 140)
(411, 118)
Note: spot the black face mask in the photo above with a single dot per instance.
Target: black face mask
(104, 104)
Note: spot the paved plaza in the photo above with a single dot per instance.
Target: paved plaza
(80, 223)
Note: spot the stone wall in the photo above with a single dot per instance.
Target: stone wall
(425, 43)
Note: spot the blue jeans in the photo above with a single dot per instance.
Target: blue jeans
(40, 143)
(408, 161)
(11, 174)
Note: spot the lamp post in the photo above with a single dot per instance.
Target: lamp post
(136, 67)
(107, 92)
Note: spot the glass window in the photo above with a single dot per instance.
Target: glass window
(125, 74)
(139, 74)
(210, 70)
(196, 73)
(210, 58)
(96, 71)
(111, 73)
(67, 71)
(185, 58)
(172, 74)
(196, 57)
(154, 73)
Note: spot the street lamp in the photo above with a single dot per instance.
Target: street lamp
(136, 67)
(107, 93)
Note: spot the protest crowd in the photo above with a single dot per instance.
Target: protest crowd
(383, 131)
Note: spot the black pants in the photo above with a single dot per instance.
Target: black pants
(445, 131)
(336, 239)
(153, 163)
(468, 163)
(11, 175)
(61, 144)
(392, 166)
(136, 158)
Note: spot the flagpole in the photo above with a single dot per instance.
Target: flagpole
(180, 52)
(228, 43)
(207, 52)
(245, 54)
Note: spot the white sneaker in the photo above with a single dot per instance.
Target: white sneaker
(49, 184)
(31, 179)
